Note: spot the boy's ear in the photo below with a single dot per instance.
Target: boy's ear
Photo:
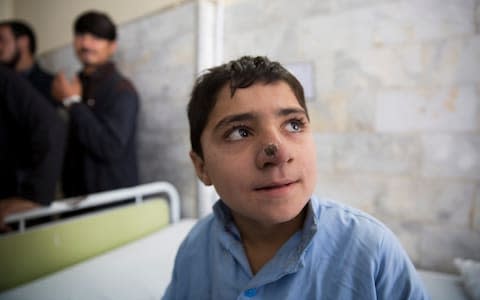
(199, 165)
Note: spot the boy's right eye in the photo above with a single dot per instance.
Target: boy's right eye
(237, 133)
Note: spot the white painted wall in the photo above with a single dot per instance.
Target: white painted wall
(52, 19)
(6, 9)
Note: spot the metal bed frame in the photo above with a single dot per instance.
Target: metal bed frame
(140, 193)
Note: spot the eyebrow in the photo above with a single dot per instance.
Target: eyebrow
(234, 118)
(250, 116)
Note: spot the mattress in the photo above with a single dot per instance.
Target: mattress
(138, 270)
(442, 286)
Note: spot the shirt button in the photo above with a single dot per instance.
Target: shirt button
(250, 293)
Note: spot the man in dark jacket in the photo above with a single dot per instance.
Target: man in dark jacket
(32, 140)
(17, 51)
(103, 107)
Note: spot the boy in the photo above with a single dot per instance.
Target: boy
(268, 237)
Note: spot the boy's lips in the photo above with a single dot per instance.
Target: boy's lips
(275, 185)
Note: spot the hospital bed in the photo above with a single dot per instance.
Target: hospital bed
(112, 245)
(131, 264)
(138, 270)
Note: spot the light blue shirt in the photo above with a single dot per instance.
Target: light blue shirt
(340, 253)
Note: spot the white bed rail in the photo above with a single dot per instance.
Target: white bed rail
(139, 193)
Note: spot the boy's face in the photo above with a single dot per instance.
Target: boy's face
(263, 188)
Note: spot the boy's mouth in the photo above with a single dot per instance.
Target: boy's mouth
(275, 185)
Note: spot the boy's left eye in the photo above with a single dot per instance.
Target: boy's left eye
(294, 126)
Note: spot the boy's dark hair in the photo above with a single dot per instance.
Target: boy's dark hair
(20, 28)
(240, 73)
(96, 23)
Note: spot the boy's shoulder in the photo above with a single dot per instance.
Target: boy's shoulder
(347, 224)
(326, 209)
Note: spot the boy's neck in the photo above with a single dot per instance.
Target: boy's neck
(261, 241)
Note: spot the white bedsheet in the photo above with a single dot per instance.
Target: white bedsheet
(443, 286)
(139, 270)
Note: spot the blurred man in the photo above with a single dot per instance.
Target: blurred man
(32, 140)
(103, 107)
(17, 51)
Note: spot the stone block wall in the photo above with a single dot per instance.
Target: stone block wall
(396, 108)
(157, 53)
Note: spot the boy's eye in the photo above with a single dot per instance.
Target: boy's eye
(238, 133)
(295, 125)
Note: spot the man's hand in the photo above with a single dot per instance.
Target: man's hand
(63, 88)
(13, 205)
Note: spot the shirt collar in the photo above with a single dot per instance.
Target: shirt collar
(289, 258)
(224, 216)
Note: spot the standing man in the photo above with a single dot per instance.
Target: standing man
(17, 51)
(103, 107)
(32, 140)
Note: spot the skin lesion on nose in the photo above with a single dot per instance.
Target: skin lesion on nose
(270, 150)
